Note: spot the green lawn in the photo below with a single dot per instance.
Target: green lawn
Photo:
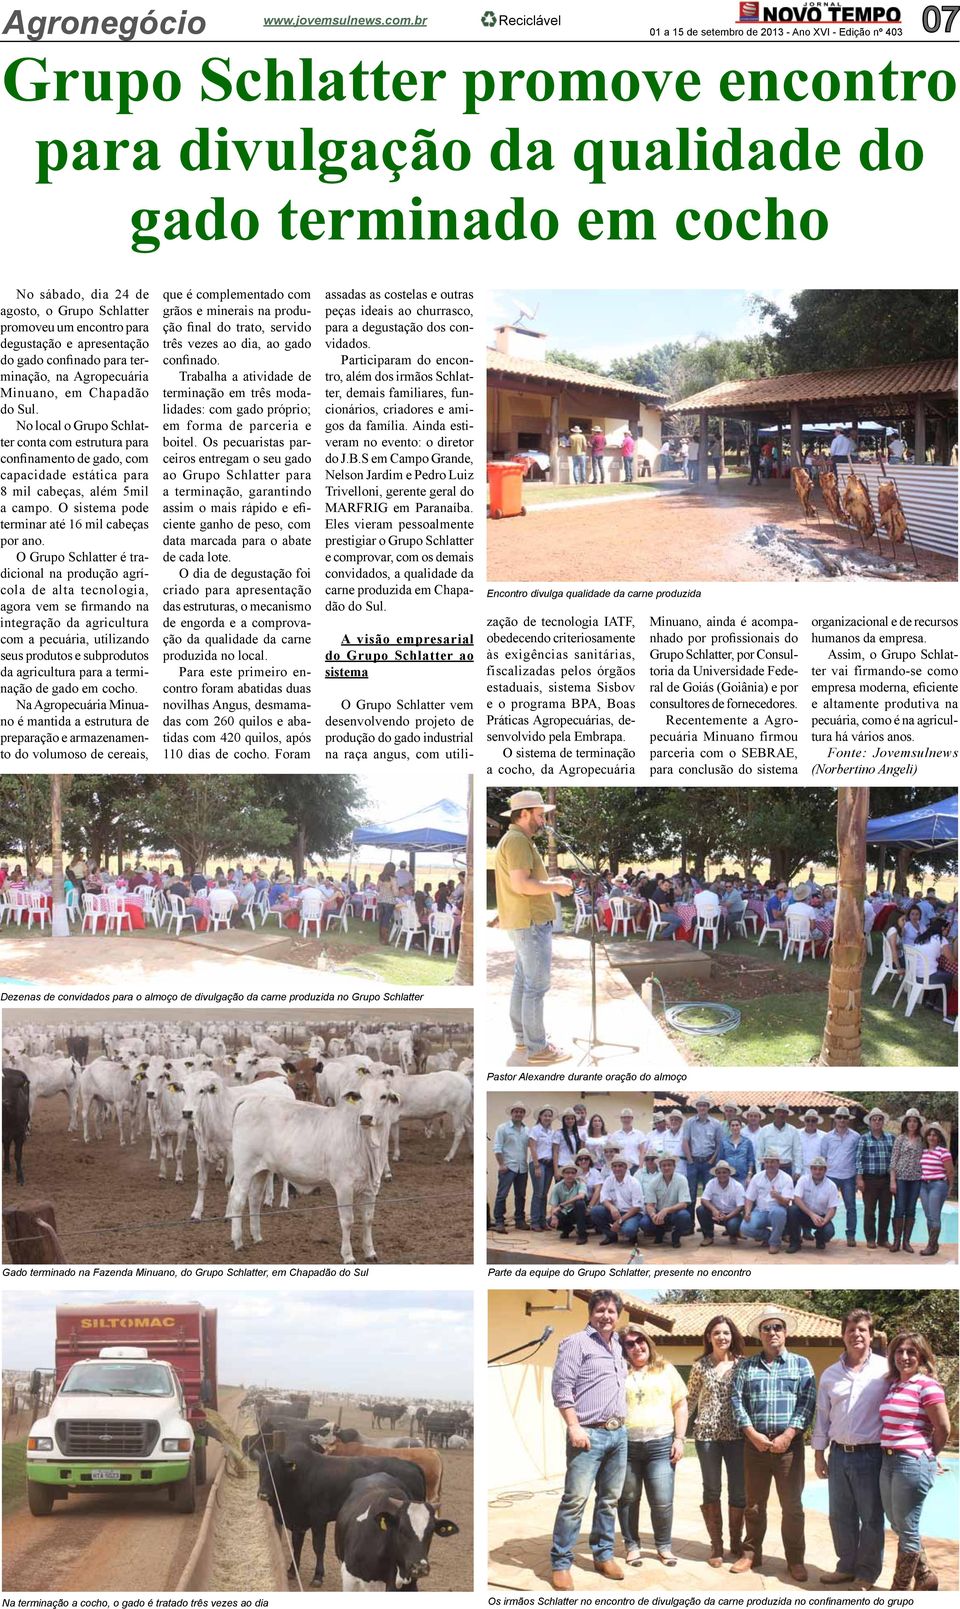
(14, 1474)
(361, 947)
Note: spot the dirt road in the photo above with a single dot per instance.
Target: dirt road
(112, 1207)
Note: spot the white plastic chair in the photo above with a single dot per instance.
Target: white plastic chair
(311, 912)
(799, 934)
(621, 915)
(656, 921)
(92, 909)
(71, 900)
(249, 907)
(267, 910)
(37, 907)
(916, 979)
(888, 966)
(222, 906)
(368, 910)
(767, 932)
(707, 922)
(869, 917)
(409, 925)
(114, 911)
(178, 913)
(584, 917)
(19, 906)
(159, 911)
(441, 927)
(748, 916)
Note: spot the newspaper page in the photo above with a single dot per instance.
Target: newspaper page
(600, 375)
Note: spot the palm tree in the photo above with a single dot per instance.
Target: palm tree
(463, 972)
(841, 1033)
(59, 785)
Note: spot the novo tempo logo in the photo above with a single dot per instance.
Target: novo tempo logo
(749, 10)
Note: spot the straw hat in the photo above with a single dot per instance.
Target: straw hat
(526, 799)
(763, 1317)
(876, 1112)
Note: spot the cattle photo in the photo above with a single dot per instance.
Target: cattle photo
(180, 1137)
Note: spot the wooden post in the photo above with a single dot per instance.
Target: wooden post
(796, 436)
(30, 1231)
(779, 449)
(841, 1033)
(555, 440)
(702, 456)
(942, 451)
(919, 431)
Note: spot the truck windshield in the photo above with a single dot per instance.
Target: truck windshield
(105, 1378)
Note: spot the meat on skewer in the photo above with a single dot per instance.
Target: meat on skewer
(803, 486)
(828, 489)
(892, 517)
(857, 505)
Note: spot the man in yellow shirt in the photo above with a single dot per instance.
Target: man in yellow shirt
(526, 911)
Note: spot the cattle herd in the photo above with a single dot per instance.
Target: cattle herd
(381, 1493)
(273, 1109)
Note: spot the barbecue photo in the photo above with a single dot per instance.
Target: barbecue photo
(721, 927)
(212, 1444)
(207, 878)
(178, 1137)
(721, 436)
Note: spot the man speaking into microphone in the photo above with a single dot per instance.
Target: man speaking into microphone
(526, 911)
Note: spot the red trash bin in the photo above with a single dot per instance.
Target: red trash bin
(505, 489)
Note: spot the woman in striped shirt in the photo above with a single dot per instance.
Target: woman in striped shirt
(914, 1427)
(936, 1178)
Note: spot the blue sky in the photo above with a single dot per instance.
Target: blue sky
(329, 1335)
(603, 325)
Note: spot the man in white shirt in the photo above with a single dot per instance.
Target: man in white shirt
(847, 1453)
(814, 1205)
(707, 904)
(658, 1136)
(841, 448)
(811, 1137)
(721, 1205)
(620, 1207)
(768, 1196)
(781, 1139)
(632, 1142)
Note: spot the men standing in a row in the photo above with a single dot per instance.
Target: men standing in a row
(773, 1398)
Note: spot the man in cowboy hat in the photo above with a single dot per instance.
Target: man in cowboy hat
(526, 911)
(702, 1138)
(721, 1204)
(782, 1140)
(773, 1397)
(814, 1206)
(874, 1151)
(510, 1147)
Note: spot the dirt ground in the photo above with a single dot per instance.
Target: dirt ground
(111, 1206)
(695, 535)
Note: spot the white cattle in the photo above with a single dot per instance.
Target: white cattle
(212, 1045)
(457, 1442)
(107, 1085)
(210, 1105)
(365, 1044)
(49, 1076)
(250, 1064)
(440, 1061)
(466, 1067)
(310, 1146)
(169, 1130)
(265, 1046)
(316, 1047)
(407, 1052)
(333, 1077)
(431, 1095)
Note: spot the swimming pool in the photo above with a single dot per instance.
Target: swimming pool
(940, 1511)
(948, 1224)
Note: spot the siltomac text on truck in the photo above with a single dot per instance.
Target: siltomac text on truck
(133, 1382)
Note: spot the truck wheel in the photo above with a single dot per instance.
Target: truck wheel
(183, 1494)
(200, 1460)
(40, 1499)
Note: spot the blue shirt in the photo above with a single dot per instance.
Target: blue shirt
(840, 1153)
(591, 1377)
(773, 1396)
(741, 1158)
(510, 1142)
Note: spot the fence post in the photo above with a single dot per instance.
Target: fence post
(30, 1231)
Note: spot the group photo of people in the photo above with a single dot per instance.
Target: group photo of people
(720, 1175)
(312, 871)
(793, 1441)
(747, 906)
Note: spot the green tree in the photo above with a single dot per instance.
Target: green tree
(321, 811)
(607, 825)
(206, 815)
(103, 816)
(834, 329)
(570, 360)
(25, 816)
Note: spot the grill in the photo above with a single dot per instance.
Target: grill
(107, 1438)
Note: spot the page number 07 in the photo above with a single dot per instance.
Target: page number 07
(937, 17)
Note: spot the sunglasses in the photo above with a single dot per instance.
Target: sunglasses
(771, 1329)
(632, 1341)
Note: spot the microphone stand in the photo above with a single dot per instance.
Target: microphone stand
(592, 1042)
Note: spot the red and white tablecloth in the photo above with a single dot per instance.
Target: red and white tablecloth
(134, 908)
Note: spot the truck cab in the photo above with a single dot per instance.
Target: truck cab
(118, 1422)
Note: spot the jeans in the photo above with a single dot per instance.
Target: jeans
(877, 1202)
(601, 1468)
(774, 1219)
(649, 1471)
(531, 980)
(797, 1222)
(699, 1174)
(856, 1512)
(600, 1218)
(596, 468)
(670, 919)
(906, 1198)
(628, 469)
(678, 1223)
(713, 1455)
(579, 468)
(904, 1483)
(573, 1214)
(506, 1180)
(848, 1190)
(933, 1193)
(709, 1225)
(539, 1189)
(786, 1472)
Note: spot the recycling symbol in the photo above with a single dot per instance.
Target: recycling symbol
(488, 19)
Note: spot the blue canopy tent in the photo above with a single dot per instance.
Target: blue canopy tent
(436, 828)
(932, 826)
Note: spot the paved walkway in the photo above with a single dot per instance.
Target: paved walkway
(520, 1525)
(524, 1245)
(621, 1016)
(124, 964)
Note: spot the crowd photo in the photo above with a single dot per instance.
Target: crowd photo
(292, 872)
(720, 1175)
(795, 1440)
(726, 926)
